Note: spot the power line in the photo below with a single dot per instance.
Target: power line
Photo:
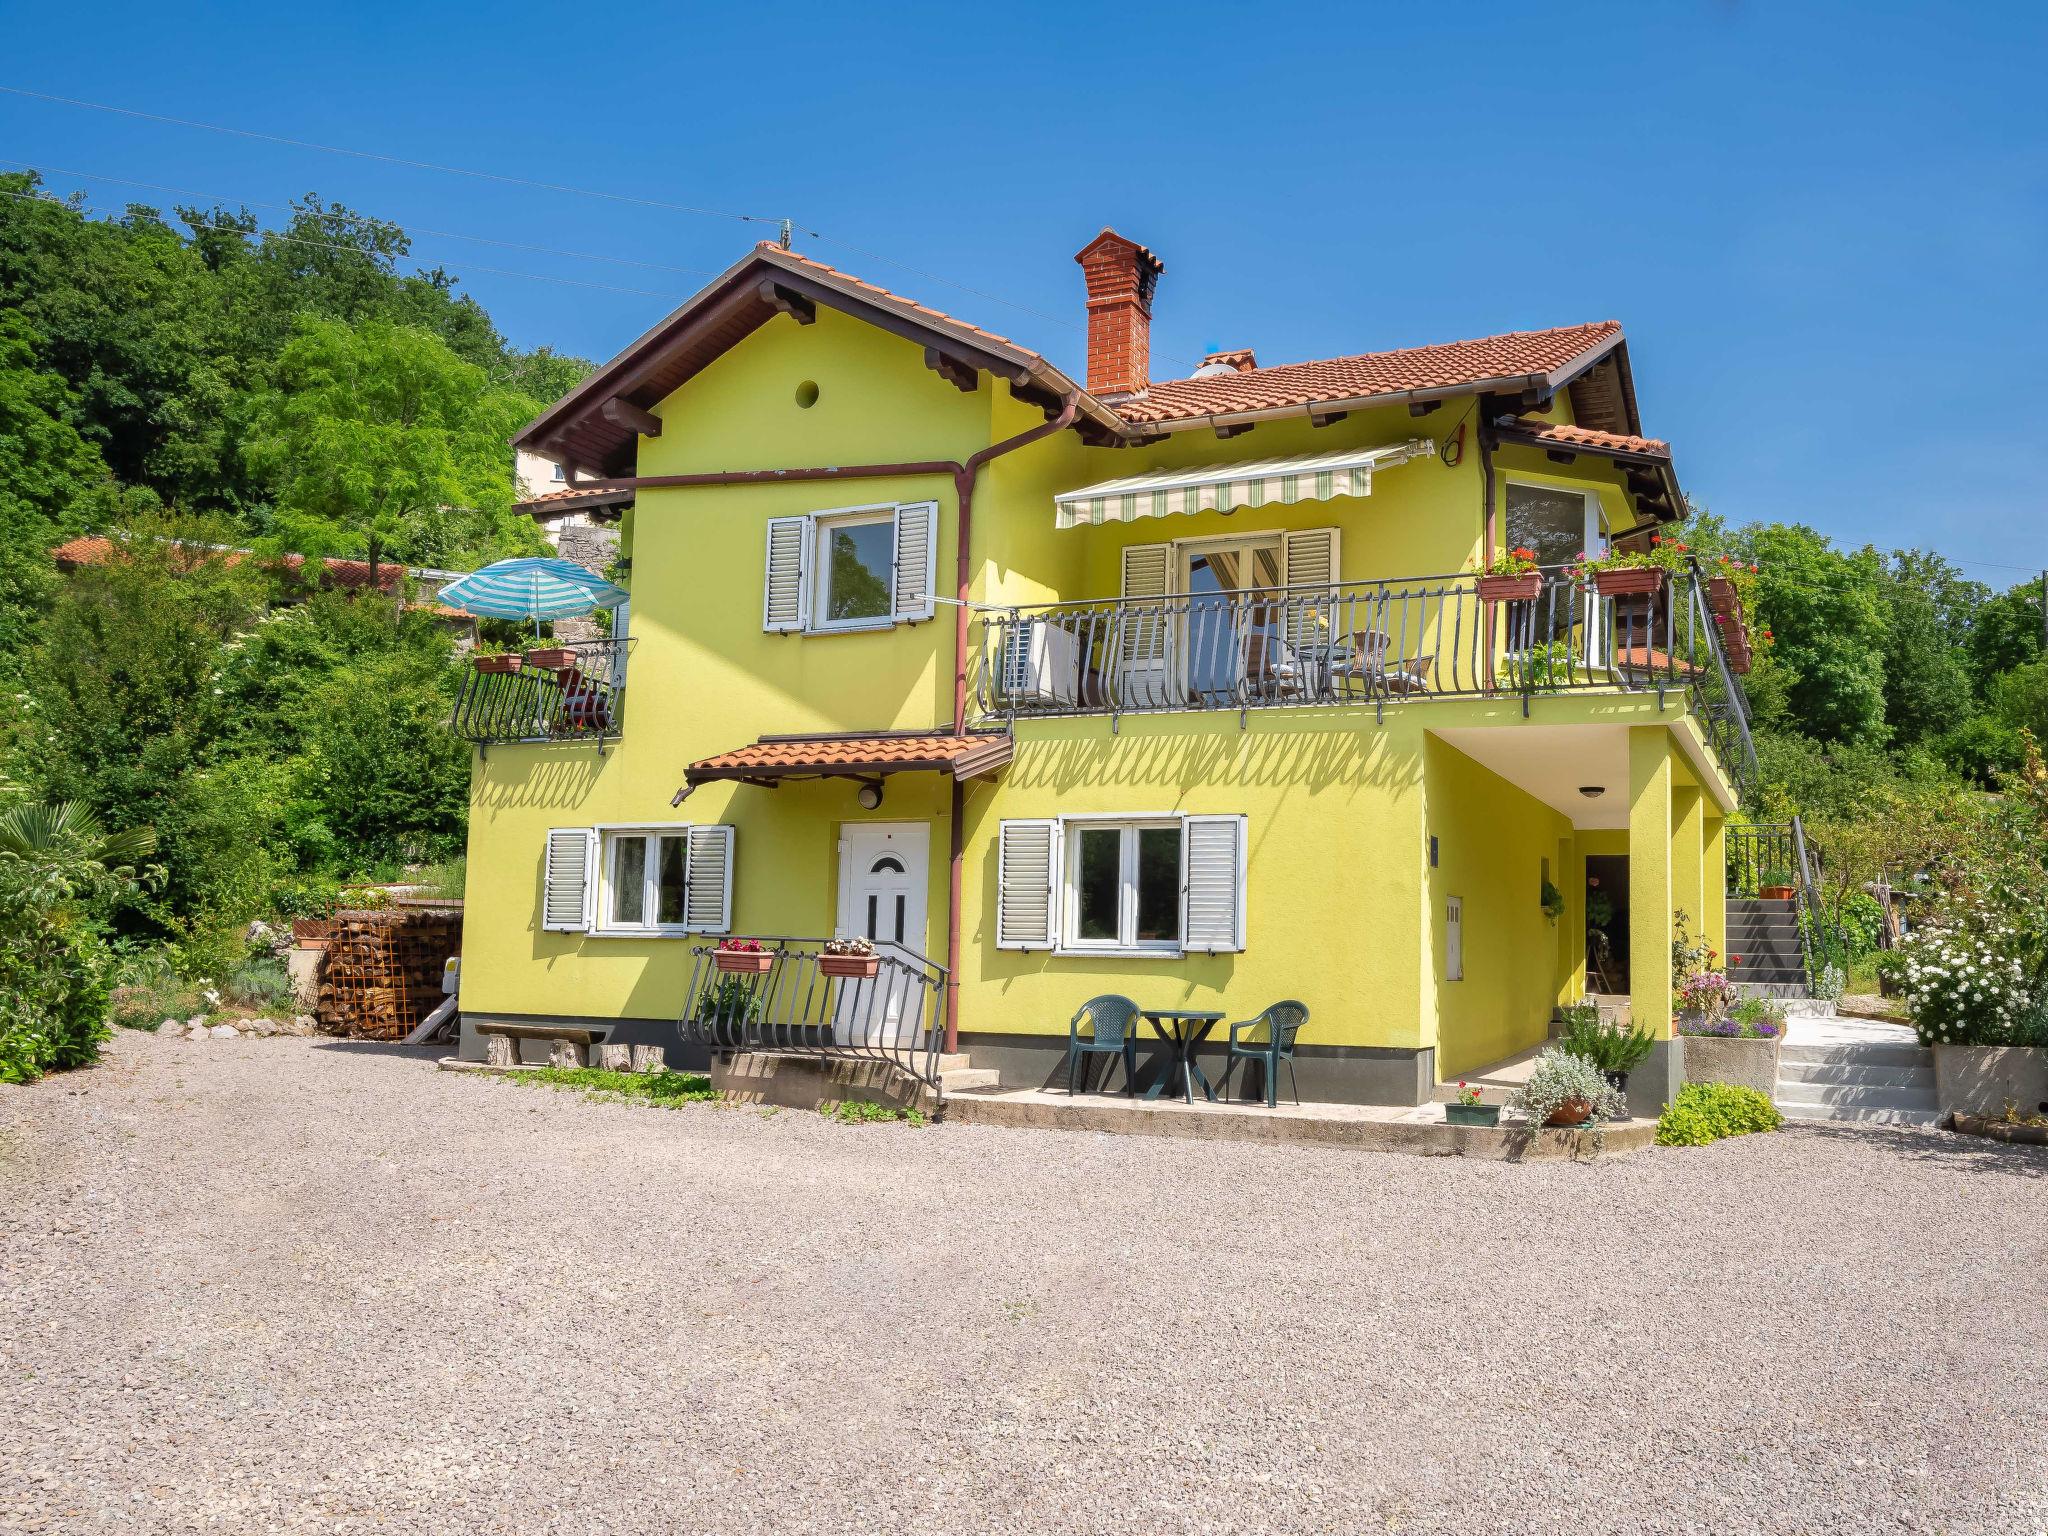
(364, 154)
(331, 245)
(404, 229)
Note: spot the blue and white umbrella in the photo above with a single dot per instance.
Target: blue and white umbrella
(532, 588)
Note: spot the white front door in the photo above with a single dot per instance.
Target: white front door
(884, 873)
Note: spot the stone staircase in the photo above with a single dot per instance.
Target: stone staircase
(956, 1075)
(1851, 1069)
(1766, 935)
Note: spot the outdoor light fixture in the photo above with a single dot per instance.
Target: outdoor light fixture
(1592, 791)
(870, 797)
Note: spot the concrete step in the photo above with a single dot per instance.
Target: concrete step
(965, 1079)
(1862, 1054)
(1867, 1116)
(1856, 1096)
(1850, 1072)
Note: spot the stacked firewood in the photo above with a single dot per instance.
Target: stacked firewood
(382, 972)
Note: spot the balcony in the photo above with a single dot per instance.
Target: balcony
(573, 692)
(1361, 643)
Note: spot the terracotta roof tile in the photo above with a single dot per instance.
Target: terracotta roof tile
(849, 280)
(97, 549)
(1368, 374)
(1590, 437)
(848, 756)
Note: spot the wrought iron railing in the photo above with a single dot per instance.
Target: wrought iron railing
(568, 692)
(795, 1005)
(1765, 854)
(1371, 643)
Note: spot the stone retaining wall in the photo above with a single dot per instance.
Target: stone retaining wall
(1722, 1059)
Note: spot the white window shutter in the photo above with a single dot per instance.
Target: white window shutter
(1312, 560)
(567, 882)
(788, 583)
(917, 555)
(1027, 884)
(707, 881)
(1145, 642)
(1212, 915)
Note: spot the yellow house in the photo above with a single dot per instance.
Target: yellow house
(1178, 688)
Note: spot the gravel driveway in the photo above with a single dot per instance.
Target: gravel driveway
(293, 1285)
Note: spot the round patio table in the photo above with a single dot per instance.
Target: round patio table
(1182, 1030)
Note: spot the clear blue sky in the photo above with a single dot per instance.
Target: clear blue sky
(1825, 226)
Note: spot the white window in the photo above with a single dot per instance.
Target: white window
(1141, 885)
(628, 881)
(851, 568)
(557, 472)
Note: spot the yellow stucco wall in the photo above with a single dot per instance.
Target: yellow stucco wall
(1342, 909)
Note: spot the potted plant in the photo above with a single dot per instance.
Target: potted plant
(1511, 578)
(1775, 885)
(503, 661)
(552, 658)
(1553, 901)
(1634, 572)
(744, 957)
(854, 957)
(1566, 1090)
(1613, 1051)
(1467, 1110)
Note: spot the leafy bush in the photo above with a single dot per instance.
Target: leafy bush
(1965, 987)
(1560, 1076)
(259, 984)
(1607, 1046)
(1706, 1112)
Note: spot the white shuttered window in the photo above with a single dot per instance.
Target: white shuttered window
(851, 568)
(637, 881)
(1139, 885)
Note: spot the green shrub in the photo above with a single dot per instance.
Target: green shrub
(261, 984)
(1705, 1112)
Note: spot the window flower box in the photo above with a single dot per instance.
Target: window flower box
(552, 658)
(860, 967)
(1629, 581)
(508, 662)
(1511, 589)
(744, 957)
(1722, 598)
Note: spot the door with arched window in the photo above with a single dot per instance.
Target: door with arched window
(884, 875)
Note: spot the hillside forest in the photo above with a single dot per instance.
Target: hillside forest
(187, 744)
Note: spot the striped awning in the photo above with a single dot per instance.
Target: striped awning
(1229, 487)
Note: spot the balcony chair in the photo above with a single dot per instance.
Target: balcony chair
(1113, 1031)
(1268, 1040)
(1271, 668)
(1367, 669)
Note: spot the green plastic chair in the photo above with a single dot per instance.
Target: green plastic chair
(1113, 1031)
(1268, 1040)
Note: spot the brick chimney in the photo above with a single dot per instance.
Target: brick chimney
(1121, 275)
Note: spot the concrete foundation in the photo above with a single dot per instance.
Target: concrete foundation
(1982, 1079)
(1655, 1083)
(807, 1082)
(637, 1033)
(1329, 1074)
(1744, 1063)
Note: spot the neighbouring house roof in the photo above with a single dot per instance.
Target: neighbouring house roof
(98, 549)
(773, 758)
(572, 501)
(1521, 359)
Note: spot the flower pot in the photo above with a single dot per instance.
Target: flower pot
(862, 966)
(1471, 1114)
(506, 663)
(1630, 581)
(1525, 588)
(1722, 598)
(1570, 1112)
(745, 962)
(552, 658)
(1775, 893)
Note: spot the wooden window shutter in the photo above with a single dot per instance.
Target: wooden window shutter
(1145, 641)
(707, 880)
(917, 555)
(1212, 917)
(566, 879)
(1027, 884)
(788, 584)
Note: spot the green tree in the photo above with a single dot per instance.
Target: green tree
(2006, 633)
(1827, 614)
(1927, 686)
(380, 441)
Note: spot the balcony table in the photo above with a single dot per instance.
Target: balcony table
(1182, 1030)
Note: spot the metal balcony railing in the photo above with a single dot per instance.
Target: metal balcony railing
(568, 692)
(1371, 643)
(893, 1015)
